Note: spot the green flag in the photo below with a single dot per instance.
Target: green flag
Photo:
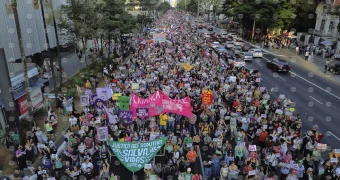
(134, 155)
(124, 102)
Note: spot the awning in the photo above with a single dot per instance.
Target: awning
(22, 91)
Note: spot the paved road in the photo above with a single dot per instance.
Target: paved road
(316, 99)
(71, 65)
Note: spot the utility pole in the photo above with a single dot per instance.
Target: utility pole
(198, 9)
(253, 32)
(48, 47)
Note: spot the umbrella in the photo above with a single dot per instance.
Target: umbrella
(327, 43)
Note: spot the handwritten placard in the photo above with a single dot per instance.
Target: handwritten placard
(252, 148)
(321, 146)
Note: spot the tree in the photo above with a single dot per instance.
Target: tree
(81, 21)
(164, 6)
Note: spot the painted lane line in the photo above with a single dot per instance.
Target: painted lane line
(282, 78)
(334, 136)
(311, 83)
(316, 100)
(259, 64)
(315, 85)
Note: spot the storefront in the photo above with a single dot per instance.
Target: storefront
(20, 90)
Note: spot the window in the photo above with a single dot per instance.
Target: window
(322, 26)
(331, 26)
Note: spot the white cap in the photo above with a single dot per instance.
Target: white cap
(189, 169)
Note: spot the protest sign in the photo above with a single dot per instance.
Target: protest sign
(124, 102)
(97, 102)
(322, 146)
(104, 93)
(252, 148)
(134, 86)
(187, 66)
(142, 113)
(125, 117)
(112, 118)
(84, 100)
(207, 97)
(115, 96)
(103, 133)
(178, 106)
(166, 90)
(134, 155)
(153, 103)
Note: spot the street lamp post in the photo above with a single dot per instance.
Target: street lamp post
(198, 9)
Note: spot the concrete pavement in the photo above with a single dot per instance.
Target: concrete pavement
(71, 65)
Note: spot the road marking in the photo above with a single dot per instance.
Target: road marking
(316, 100)
(334, 136)
(315, 85)
(282, 78)
(311, 83)
(259, 64)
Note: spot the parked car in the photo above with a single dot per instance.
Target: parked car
(238, 62)
(337, 57)
(220, 50)
(247, 56)
(334, 67)
(278, 65)
(230, 45)
(214, 44)
(246, 47)
(252, 70)
(238, 42)
(257, 53)
(228, 55)
(237, 49)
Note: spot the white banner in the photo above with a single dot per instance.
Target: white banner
(37, 99)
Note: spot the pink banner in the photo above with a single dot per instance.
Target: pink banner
(178, 106)
(153, 103)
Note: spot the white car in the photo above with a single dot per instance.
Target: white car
(239, 63)
(215, 44)
(257, 53)
(230, 45)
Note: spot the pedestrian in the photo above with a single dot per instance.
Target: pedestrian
(306, 55)
(326, 66)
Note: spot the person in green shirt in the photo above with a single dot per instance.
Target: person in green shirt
(188, 140)
(188, 175)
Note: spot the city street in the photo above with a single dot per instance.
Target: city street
(316, 99)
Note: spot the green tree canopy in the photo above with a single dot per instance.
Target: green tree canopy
(164, 6)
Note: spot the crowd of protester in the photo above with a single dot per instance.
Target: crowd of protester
(245, 133)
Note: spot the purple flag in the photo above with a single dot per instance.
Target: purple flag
(125, 117)
(97, 102)
(110, 117)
